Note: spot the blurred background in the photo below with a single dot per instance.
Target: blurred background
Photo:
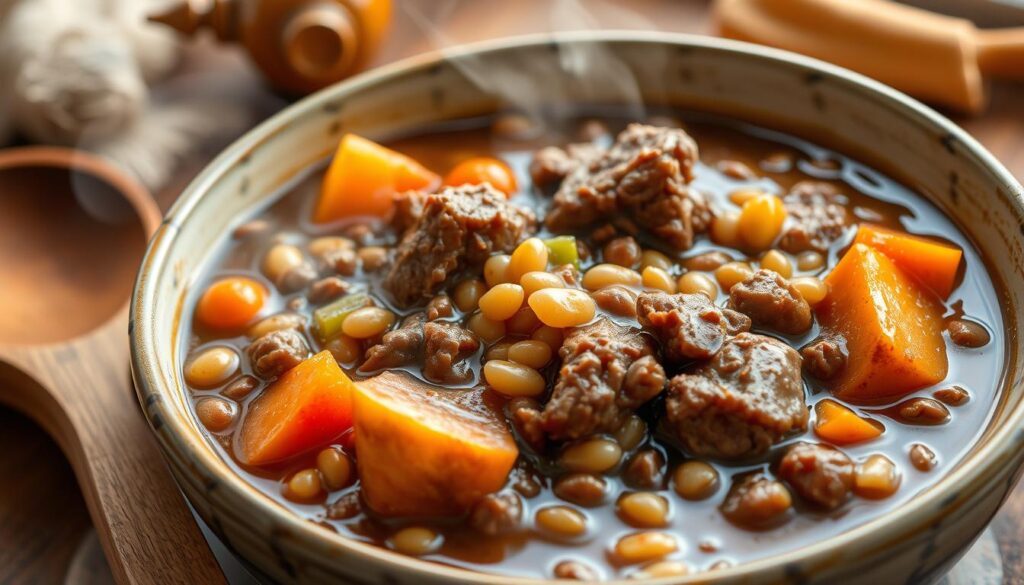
(160, 99)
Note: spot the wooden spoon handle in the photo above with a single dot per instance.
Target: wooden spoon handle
(82, 394)
(1001, 52)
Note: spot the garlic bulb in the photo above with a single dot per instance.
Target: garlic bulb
(78, 66)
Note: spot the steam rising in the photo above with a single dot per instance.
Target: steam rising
(582, 74)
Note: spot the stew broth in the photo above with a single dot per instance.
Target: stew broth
(704, 537)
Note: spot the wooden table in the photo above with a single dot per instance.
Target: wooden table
(42, 515)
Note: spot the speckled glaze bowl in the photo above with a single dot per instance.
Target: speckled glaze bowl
(916, 542)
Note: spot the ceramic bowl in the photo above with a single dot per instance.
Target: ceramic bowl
(915, 542)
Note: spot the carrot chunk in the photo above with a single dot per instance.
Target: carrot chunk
(425, 451)
(309, 406)
(839, 425)
(231, 303)
(892, 326)
(363, 179)
(483, 169)
(932, 263)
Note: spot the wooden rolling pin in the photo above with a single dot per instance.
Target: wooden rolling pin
(937, 58)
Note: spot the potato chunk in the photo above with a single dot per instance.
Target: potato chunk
(892, 326)
(425, 451)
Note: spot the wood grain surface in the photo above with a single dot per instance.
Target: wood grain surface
(42, 514)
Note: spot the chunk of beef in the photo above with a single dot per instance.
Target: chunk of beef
(749, 396)
(757, 502)
(443, 347)
(817, 217)
(771, 302)
(820, 474)
(524, 414)
(398, 347)
(551, 164)
(644, 176)
(277, 352)
(594, 389)
(458, 229)
(689, 326)
(439, 307)
(447, 347)
(407, 210)
(823, 359)
(645, 379)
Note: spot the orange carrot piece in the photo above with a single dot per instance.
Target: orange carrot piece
(363, 179)
(839, 425)
(475, 171)
(229, 304)
(428, 452)
(309, 406)
(932, 263)
(892, 326)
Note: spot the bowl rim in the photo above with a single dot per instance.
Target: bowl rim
(175, 435)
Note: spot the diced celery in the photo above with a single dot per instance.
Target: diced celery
(562, 250)
(328, 318)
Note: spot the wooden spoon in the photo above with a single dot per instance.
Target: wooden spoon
(73, 231)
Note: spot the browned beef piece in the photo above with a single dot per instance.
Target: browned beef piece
(407, 210)
(757, 502)
(820, 474)
(524, 414)
(645, 177)
(447, 347)
(823, 359)
(443, 347)
(551, 164)
(439, 307)
(771, 302)
(595, 386)
(689, 326)
(817, 214)
(277, 352)
(645, 379)
(458, 229)
(399, 347)
(749, 396)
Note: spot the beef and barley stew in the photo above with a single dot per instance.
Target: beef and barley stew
(595, 350)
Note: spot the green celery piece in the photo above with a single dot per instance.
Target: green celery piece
(562, 250)
(328, 318)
